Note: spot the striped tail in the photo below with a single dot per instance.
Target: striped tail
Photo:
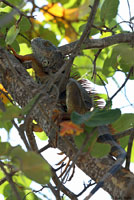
(106, 137)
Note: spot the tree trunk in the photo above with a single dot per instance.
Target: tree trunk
(23, 88)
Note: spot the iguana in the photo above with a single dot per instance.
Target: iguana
(47, 59)
(76, 100)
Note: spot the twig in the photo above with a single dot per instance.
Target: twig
(22, 134)
(9, 179)
(85, 188)
(87, 29)
(87, 138)
(5, 179)
(103, 85)
(129, 149)
(77, 47)
(131, 70)
(123, 134)
(44, 148)
(94, 62)
(129, 9)
(15, 8)
(55, 192)
(65, 190)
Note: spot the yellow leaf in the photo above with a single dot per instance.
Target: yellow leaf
(3, 97)
(69, 128)
(53, 10)
(56, 13)
(70, 33)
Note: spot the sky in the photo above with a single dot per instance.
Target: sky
(51, 154)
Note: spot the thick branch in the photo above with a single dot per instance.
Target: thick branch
(22, 88)
(100, 43)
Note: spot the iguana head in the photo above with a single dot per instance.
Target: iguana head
(47, 55)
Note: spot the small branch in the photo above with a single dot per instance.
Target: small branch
(129, 149)
(87, 138)
(55, 192)
(77, 47)
(103, 85)
(44, 148)
(22, 134)
(15, 8)
(87, 29)
(9, 179)
(130, 72)
(85, 188)
(65, 190)
(5, 179)
(123, 134)
(94, 62)
(129, 9)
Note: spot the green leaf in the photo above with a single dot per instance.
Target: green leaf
(6, 9)
(5, 148)
(24, 49)
(24, 24)
(100, 150)
(81, 138)
(3, 186)
(79, 118)
(96, 117)
(94, 148)
(10, 113)
(12, 34)
(102, 96)
(132, 153)
(15, 46)
(22, 180)
(49, 35)
(42, 135)
(32, 165)
(16, 2)
(83, 62)
(6, 125)
(108, 67)
(125, 122)
(126, 53)
(122, 55)
(124, 141)
(82, 27)
(109, 10)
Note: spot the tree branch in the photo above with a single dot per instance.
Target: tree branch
(99, 43)
(93, 167)
(9, 179)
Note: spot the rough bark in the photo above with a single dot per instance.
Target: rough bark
(22, 88)
(100, 43)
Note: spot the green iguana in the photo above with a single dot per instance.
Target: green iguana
(77, 99)
(47, 59)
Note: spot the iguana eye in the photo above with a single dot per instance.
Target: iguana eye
(45, 62)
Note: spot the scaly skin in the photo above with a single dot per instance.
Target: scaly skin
(47, 55)
(77, 99)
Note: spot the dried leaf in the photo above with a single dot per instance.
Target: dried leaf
(69, 128)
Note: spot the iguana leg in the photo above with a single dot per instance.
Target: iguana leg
(30, 57)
